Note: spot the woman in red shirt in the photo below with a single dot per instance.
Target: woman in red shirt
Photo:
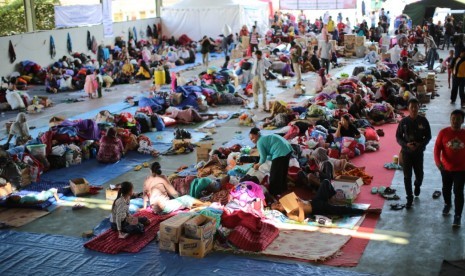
(449, 150)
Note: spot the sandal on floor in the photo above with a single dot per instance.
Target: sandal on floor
(390, 197)
(78, 206)
(381, 189)
(389, 191)
(437, 194)
(138, 168)
(374, 190)
(380, 132)
(397, 206)
(145, 164)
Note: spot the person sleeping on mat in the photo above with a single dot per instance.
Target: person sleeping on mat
(158, 190)
(320, 205)
(33, 198)
(120, 218)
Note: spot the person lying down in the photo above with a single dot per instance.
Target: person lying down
(33, 198)
(320, 205)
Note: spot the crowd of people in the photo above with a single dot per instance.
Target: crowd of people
(321, 136)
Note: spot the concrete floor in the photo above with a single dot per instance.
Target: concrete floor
(430, 235)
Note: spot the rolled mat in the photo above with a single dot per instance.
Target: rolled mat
(109, 243)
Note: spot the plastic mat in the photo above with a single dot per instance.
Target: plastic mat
(42, 254)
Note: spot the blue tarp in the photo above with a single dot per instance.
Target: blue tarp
(42, 254)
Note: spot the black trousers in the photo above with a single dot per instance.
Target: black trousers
(320, 205)
(455, 180)
(278, 174)
(413, 162)
(325, 63)
(129, 228)
(458, 85)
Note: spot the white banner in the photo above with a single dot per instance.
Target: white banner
(107, 19)
(79, 15)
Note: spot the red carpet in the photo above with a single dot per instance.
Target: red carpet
(374, 163)
(109, 243)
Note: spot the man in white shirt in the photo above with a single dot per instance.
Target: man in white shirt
(183, 54)
(259, 70)
(325, 52)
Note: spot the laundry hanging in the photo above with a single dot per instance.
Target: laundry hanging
(89, 41)
(130, 35)
(94, 45)
(69, 44)
(135, 34)
(155, 31)
(149, 31)
(53, 51)
(11, 52)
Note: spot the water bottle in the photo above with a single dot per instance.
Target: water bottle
(94, 152)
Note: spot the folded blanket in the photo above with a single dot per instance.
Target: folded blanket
(109, 243)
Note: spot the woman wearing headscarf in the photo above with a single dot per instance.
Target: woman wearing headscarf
(111, 148)
(20, 130)
(328, 167)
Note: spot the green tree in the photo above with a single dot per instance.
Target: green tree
(12, 20)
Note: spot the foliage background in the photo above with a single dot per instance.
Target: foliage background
(13, 21)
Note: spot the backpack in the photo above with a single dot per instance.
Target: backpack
(144, 122)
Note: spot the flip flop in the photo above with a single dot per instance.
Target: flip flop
(381, 189)
(389, 191)
(78, 206)
(145, 164)
(138, 168)
(390, 197)
(397, 206)
(374, 190)
(437, 194)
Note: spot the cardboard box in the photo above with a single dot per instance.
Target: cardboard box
(430, 76)
(200, 227)
(178, 143)
(171, 229)
(349, 39)
(194, 247)
(245, 42)
(168, 245)
(430, 88)
(360, 41)
(79, 186)
(289, 202)
(236, 54)
(6, 189)
(203, 151)
(347, 187)
(112, 192)
(421, 88)
(8, 126)
(424, 97)
(349, 47)
(385, 56)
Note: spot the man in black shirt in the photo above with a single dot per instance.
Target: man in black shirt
(413, 134)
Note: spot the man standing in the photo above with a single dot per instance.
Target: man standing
(325, 52)
(259, 70)
(449, 32)
(431, 54)
(458, 78)
(296, 54)
(413, 134)
(449, 150)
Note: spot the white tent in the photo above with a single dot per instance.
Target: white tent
(197, 18)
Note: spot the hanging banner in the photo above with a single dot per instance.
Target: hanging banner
(78, 15)
(107, 19)
(317, 4)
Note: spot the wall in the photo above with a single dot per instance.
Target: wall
(36, 47)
